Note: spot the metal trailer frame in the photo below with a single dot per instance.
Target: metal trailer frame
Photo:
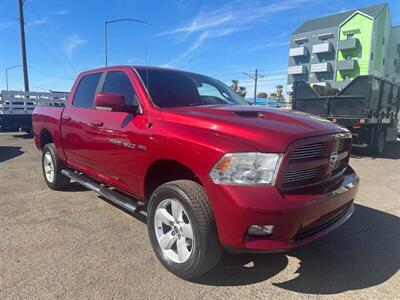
(16, 107)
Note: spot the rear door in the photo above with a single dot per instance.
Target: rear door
(75, 122)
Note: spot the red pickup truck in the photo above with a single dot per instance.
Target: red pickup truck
(210, 171)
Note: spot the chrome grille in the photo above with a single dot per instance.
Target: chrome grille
(308, 151)
(300, 175)
(341, 145)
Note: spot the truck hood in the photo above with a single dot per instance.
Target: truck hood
(264, 129)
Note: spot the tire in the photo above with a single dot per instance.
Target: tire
(379, 144)
(52, 166)
(204, 247)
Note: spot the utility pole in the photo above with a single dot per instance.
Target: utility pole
(23, 47)
(254, 76)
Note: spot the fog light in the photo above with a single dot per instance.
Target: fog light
(260, 229)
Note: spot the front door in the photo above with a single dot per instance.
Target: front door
(118, 137)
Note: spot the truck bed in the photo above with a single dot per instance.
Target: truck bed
(48, 118)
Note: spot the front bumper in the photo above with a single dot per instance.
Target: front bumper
(298, 219)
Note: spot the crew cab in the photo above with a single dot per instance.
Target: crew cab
(210, 171)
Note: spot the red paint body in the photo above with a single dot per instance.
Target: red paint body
(198, 137)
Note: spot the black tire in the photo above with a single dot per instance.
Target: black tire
(379, 144)
(59, 180)
(206, 250)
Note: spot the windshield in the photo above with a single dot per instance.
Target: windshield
(170, 88)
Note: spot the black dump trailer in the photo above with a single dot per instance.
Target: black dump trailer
(368, 106)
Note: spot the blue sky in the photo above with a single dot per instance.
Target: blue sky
(217, 38)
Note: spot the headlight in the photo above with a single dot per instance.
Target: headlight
(246, 168)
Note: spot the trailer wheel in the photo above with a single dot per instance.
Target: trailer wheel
(379, 145)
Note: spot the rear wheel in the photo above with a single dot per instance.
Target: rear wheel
(52, 166)
(182, 229)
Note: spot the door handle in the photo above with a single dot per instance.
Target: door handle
(66, 118)
(97, 123)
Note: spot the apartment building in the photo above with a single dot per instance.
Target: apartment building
(333, 50)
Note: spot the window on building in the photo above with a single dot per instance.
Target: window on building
(383, 61)
(372, 55)
(349, 57)
(322, 79)
(346, 77)
(350, 36)
(323, 60)
(86, 90)
(395, 62)
(118, 82)
(383, 40)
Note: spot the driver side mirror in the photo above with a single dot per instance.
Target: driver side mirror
(114, 102)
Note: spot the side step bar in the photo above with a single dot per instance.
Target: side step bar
(112, 195)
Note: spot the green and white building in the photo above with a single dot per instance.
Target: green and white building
(333, 50)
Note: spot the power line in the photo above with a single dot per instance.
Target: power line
(52, 38)
(51, 54)
(256, 76)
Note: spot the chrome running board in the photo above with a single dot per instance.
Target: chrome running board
(112, 195)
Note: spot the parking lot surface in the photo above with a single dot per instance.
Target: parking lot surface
(74, 244)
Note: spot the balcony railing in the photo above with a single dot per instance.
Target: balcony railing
(321, 67)
(348, 44)
(345, 65)
(296, 70)
(322, 48)
(298, 51)
(322, 83)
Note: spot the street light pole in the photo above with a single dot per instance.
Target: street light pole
(105, 33)
(9, 68)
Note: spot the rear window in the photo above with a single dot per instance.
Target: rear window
(86, 90)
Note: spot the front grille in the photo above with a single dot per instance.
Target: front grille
(312, 161)
(300, 175)
(308, 151)
(342, 143)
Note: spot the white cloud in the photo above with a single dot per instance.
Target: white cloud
(61, 12)
(38, 21)
(7, 25)
(187, 54)
(71, 43)
(225, 21)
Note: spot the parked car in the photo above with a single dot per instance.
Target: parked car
(211, 171)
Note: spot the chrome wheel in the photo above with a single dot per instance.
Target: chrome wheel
(174, 230)
(48, 166)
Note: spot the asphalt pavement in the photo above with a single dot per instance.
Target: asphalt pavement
(74, 244)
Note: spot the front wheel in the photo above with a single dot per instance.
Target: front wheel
(182, 229)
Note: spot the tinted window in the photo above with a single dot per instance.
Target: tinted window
(118, 82)
(169, 88)
(84, 94)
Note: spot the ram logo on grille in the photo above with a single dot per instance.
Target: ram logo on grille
(333, 158)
